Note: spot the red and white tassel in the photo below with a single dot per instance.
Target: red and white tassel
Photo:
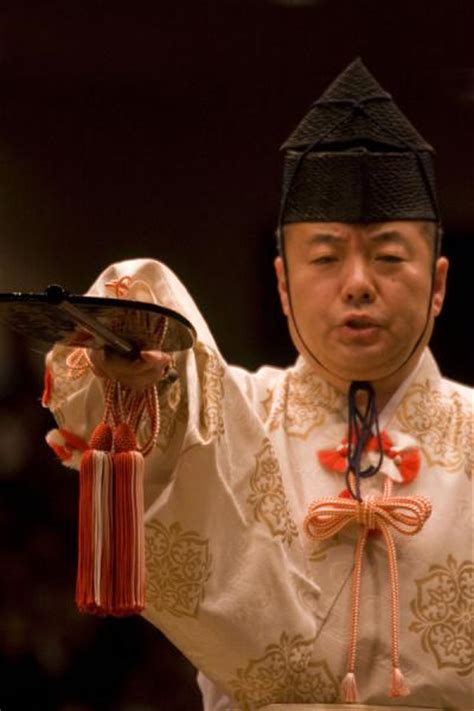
(67, 446)
(94, 539)
(111, 556)
(349, 691)
(399, 686)
(129, 532)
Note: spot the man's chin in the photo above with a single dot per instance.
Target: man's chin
(364, 374)
(372, 357)
(360, 366)
(363, 359)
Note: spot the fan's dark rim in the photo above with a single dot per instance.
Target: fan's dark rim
(76, 300)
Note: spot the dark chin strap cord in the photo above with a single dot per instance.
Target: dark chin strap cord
(363, 424)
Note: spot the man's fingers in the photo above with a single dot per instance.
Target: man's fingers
(146, 370)
(157, 358)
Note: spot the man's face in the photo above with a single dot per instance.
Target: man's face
(359, 294)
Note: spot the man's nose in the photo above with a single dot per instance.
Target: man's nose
(358, 287)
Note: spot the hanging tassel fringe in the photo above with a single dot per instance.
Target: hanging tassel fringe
(399, 687)
(111, 560)
(349, 691)
(67, 446)
(94, 540)
(409, 466)
(129, 572)
(111, 540)
(333, 460)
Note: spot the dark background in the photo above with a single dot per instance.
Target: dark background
(154, 132)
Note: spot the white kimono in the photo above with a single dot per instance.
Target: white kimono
(233, 580)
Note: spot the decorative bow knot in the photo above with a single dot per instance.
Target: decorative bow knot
(407, 515)
(119, 287)
(135, 289)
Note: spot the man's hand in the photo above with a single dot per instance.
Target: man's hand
(137, 374)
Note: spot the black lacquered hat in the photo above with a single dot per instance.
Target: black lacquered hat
(356, 158)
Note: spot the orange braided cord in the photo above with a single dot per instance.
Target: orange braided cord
(119, 287)
(407, 515)
(78, 363)
(328, 516)
(125, 405)
(355, 598)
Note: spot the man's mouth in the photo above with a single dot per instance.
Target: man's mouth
(359, 323)
(359, 329)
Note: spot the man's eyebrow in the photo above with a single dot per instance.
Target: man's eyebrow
(384, 237)
(389, 237)
(324, 238)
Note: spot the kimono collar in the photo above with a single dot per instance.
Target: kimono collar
(306, 384)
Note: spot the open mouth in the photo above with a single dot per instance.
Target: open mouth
(360, 324)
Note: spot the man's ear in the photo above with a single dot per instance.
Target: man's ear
(282, 287)
(439, 287)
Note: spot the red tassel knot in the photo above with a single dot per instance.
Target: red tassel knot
(101, 438)
(124, 438)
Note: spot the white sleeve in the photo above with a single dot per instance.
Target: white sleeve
(222, 580)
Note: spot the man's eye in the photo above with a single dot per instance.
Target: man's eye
(391, 258)
(324, 259)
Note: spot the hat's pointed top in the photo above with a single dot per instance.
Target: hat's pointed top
(355, 157)
(354, 83)
(355, 111)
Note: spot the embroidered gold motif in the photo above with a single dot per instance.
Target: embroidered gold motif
(286, 673)
(211, 421)
(303, 403)
(268, 499)
(173, 410)
(444, 611)
(442, 424)
(62, 385)
(178, 566)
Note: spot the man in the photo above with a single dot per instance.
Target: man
(274, 500)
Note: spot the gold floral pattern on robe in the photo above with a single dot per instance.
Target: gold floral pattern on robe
(442, 424)
(286, 672)
(267, 499)
(173, 410)
(302, 403)
(178, 566)
(64, 383)
(211, 419)
(444, 612)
